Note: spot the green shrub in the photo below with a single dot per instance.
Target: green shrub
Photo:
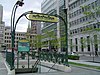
(73, 57)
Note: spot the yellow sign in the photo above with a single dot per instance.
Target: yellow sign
(42, 17)
(23, 41)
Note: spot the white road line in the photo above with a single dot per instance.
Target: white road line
(2, 68)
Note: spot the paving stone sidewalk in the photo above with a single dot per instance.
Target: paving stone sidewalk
(3, 70)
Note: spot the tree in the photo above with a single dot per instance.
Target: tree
(50, 39)
(37, 41)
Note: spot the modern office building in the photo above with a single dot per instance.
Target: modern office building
(48, 7)
(7, 39)
(53, 7)
(2, 26)
(84, 36)
(34, 28)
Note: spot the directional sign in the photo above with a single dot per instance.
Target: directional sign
(23, 46)
(42, 17)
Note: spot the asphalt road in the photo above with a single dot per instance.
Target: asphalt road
(90, 58)
(44, 71)
(75, 71)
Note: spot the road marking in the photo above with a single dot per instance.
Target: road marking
(2, 68)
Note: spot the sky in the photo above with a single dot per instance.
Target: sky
(22, 25)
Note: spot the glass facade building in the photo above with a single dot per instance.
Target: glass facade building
(53, 7)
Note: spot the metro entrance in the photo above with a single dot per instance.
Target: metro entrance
(42, 18)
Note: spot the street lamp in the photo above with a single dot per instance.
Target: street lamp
(18, 3)
(66, 35)
(66, 31)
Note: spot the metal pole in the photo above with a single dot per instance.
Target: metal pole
(18, 3)
(18, 60)
(12, 14)
(66, 36)
(12, 66)
(28, 59)
(66, 31)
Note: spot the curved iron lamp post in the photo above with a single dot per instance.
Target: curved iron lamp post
(18, 3)
(66, 34)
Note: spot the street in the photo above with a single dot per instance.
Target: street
(44, 71)
(75, 71)
(90, 58)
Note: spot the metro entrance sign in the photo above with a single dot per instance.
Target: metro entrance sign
(42, 17)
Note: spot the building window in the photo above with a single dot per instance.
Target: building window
(71, 45)
(82, 44)
(76, 44)
(95, 26)
(75, 30)
(88, 43)
(95, 43)
(93, 5)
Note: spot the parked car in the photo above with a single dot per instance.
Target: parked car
(73, 53)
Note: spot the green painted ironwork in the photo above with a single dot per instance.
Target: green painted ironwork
(51, 57)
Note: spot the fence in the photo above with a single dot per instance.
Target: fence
(51, 57)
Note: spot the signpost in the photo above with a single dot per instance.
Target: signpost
(23, 46)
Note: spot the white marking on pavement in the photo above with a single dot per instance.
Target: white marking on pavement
(2, 68)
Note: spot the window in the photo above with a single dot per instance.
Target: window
(80, 11)
(82, 48)
(75, 30)
(75, 22)
(89, 7)
(95, 26)
(74, 13)
(80, 20)
(76, 44)
(95, 43)
(96, 3)
(88, 43)
(93, 5)
(83, 19)
(71, 47)
(83, 9)
(70, 32)
(78, 30)
(98, 25)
